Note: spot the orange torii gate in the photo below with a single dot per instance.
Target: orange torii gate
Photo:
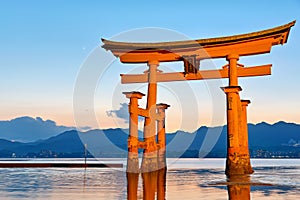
(191, 52)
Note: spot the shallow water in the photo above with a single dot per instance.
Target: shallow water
(186, 179)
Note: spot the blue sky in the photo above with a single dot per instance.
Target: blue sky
(43, 45)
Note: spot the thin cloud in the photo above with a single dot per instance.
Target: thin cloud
(121, 113)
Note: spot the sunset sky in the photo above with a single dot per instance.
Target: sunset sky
(45, 45)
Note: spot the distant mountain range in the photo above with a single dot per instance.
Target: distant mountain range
(28, 129)
(265, 140)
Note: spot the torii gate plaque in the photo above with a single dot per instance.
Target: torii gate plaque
(191, 53)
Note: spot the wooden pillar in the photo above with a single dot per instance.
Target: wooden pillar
(233, 76)
(149, 185)
(161, 183)
(132, 172)
(161, 139)
(132, 185)
(239, 188)
(236, 163)
(233, 151)
(244, 127)
(133, 140)
(243, 137)
(149, 161)
(161, 135)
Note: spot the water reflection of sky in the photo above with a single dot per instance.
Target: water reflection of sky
(270, 182)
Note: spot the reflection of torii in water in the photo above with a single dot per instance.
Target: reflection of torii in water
(191, 52)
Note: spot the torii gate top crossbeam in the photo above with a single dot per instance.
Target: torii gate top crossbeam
(244, 44)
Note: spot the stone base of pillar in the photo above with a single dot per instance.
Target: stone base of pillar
(162, 163)
(237, 163)
(149, 162)
(133, 163)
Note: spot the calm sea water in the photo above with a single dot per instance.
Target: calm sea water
(186, 179)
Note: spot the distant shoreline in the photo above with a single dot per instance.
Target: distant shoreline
(60, 165)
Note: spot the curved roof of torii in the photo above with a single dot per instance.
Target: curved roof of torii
(244, 44)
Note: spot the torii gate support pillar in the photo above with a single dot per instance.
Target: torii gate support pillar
(238, 159)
